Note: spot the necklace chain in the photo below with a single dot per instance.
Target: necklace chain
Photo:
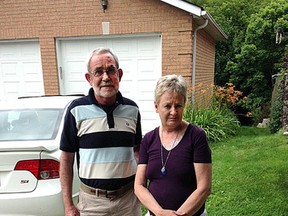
(163, 169)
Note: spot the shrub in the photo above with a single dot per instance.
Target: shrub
(228, 96)
(217, 122)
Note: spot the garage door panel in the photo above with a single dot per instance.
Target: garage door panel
(28, 51)
(73, 50)
(16, 50)
(149, 116)
(94, 44)
(31, 71)
(78, 87)
(149, 125)
(32, 88)
(126, 86)
(146, 106)
(8, 52)
(129, 67)
(147, 68)
(20, 69)
(11, 88)
(148, 47)
(140, 60)
(9, 71)
(75, 69)
(124, 47)
(146, 89)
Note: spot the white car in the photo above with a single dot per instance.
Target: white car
(30, 131)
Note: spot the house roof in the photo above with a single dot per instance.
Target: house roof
(200, 16)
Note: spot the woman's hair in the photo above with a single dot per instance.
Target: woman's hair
(99, 51)
(170, 83)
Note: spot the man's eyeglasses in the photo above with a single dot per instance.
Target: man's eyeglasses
(99, 71)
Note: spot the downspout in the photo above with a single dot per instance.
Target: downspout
(194, 59)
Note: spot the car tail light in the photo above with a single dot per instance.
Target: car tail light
(41, 169)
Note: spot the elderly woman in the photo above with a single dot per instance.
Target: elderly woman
(175, 158)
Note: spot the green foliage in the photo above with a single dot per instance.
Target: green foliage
(143, 209)
(250, 174)
(228, 96)
(233, 16)
(275, 122)
(218, 123)
(260, 113)
(277, 105)
(250, 56)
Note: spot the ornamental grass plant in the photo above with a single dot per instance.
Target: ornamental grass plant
(218, 122)
(215, 113)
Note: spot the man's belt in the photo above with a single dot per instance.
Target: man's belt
(106, 193)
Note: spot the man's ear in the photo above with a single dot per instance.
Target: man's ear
(120, 73)
(88, 77)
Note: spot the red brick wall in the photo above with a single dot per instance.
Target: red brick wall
(205, 62)
(47, 20)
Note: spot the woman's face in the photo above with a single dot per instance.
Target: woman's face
(170, 108)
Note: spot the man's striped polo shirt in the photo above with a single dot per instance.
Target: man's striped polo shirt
(103, 138)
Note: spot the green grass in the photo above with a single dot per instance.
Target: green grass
(250, 174)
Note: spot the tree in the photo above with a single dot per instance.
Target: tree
(260, 57)
(250, 56)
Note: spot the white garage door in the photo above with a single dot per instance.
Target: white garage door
(20, 69)
(139, 57)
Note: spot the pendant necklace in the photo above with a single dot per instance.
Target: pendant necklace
(163, 169)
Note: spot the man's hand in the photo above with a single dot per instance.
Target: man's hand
(72, 211)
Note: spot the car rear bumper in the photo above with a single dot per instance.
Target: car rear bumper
(46, 200)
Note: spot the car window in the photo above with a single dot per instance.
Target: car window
(36, 124)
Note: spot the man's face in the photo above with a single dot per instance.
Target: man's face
(104, 78)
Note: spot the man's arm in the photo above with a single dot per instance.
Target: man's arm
(66, 178)
(136, 152)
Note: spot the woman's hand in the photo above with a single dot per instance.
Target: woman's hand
(165, 212)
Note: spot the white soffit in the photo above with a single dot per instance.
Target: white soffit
(193, 9)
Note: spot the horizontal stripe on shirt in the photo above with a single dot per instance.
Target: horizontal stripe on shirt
(117, 162)
(99, 125)
(106, 155)
(107, 139)
(107, 170)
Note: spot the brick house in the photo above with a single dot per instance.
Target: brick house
(44, 45)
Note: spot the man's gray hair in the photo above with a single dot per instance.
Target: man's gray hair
(98, 51)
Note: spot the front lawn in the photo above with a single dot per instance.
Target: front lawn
(250, 174)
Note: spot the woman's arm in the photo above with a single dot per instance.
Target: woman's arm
(204, 187)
